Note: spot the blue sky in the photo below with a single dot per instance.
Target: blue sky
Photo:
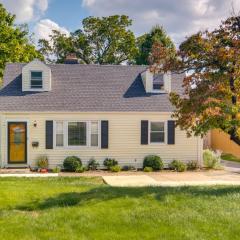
(66, 13)
(180, 18)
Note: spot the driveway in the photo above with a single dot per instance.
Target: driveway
(167, 178)
(231, 166)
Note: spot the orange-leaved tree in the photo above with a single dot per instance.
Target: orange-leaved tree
(211, 61)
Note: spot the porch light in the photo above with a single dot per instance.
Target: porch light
(35, 123)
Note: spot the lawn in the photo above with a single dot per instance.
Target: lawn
(83, 208)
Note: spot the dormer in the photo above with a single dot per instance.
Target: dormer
(36, 77)
(156, 83)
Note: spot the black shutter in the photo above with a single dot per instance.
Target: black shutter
(171, 132)
(104, 134)
(144, 132)
(49, 134)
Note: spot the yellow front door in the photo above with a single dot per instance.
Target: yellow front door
(17, 142)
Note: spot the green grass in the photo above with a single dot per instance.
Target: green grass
(81, 208)
(229, 157)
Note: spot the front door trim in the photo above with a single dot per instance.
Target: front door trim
(8, 139)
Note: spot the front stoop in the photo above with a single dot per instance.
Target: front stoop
(23, 172)
(29, 175)
(15, 169)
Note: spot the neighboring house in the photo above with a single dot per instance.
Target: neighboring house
(60, 110)
(219, 140)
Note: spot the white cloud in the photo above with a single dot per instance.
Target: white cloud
(179, 17)
(26, 10)
(44, 28)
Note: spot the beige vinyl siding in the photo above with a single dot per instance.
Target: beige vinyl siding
(124, 139)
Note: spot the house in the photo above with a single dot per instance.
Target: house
(60, 110)
(219, 140)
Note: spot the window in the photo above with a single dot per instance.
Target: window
(94, 134)
(158, 82)
(36, 80)
(77, 134)
(157, 132)
(59, 134)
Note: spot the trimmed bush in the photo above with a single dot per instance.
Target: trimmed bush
(211, 159)
(70, 164)
(57, 169)
(110, 162)
(42, 162)
(148, 169)
(192, 165)
(115, 168)
(153, 161)
(178, 166)
(80, 169)
(93, 164)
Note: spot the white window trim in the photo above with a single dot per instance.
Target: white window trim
(158, 91)
(65, 135)
(30, 83)
(165, 133)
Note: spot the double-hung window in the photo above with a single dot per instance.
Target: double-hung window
(94, 133)
(158, 82)
(157, 132)
(59, 134)
(36, 80)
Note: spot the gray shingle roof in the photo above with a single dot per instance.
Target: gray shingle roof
(85, 88)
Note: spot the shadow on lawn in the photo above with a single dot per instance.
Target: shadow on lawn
(106, 193)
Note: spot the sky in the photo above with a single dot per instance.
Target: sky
(180, 18)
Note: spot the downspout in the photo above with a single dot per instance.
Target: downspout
(200, 151)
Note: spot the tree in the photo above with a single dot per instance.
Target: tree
(105, 40)
(146, 41)
(211, 60)
(15, 44)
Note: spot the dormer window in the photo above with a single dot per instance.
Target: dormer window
(36, 77)
(36, 80)
(158, 82)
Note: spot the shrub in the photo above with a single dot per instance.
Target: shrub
(178, 166)
(153, 161)
(148, 169)
(80, 169)
(93, 164)
(110, 162)
(211, 159)
(42, 162)
(57, 169)
(115, 168)
(192, 165)
(128, 168)
(70, 164)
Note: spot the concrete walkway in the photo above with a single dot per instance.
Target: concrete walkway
(175, 179)
(122, 181)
